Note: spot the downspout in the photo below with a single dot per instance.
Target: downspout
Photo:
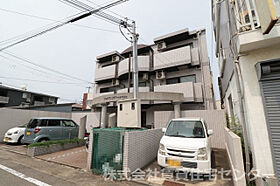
(218, 21)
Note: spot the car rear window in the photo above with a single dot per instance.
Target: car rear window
(53, 123)
(68, 123)
(33, 123)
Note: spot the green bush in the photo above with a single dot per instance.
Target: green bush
(60, 142)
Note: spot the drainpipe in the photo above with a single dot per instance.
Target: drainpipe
(242, 116)
(218, 22)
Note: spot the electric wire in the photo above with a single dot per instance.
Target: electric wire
(44, 67)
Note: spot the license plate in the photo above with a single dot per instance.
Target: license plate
(6, 139)
(28, 133)
(174, 163)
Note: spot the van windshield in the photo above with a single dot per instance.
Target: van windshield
(33, 123)
(186, 129)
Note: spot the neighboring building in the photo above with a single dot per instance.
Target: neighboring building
(63, 107)
(249, 60)
(174, 74)
(10, 97)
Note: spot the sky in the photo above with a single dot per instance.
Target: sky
(72, 49)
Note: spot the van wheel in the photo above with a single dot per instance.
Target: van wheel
(19, 140)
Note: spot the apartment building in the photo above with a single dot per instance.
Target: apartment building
(248, 48)
(13, 97)
(174, 75)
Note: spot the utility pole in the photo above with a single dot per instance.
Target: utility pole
(135, 61)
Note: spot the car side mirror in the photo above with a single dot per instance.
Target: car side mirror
(163, 130)
(210, 132)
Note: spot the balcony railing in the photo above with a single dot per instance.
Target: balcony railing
(4, 99)
(176, 57)
(143, 65)
(192, 91)
(246, 15)
(108, 72)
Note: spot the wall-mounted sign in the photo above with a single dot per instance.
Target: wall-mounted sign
(267, 14)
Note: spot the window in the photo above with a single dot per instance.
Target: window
(187, 79)
(172, 81)
(43, 123)
(68, 123)
(132, 106)
(33, 123)
(183, 79)
(3, 93)
(109, 89)
(54, 123)
(142, 84)
(121, 107)
(187, 129)
(38, 98)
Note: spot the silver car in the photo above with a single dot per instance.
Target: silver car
(50, 129)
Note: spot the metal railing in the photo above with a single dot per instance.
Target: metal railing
(245, 14)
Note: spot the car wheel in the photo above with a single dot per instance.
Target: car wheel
(43, 140)
(19, 140)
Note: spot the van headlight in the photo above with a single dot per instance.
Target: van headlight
(202, 154)
(161, 149)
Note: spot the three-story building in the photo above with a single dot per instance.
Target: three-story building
(174, 74)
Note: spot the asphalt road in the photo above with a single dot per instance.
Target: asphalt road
(45, 172)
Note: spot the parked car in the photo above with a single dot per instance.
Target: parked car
(185, 146)
(15, 135)
(49, 129)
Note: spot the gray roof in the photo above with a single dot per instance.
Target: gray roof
(20, 90)
(108, 54)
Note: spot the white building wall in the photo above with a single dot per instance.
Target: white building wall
(254, 106)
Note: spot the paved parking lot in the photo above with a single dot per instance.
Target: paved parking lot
(76, 157)
(19, 149)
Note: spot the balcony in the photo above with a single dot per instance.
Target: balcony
(176, 57)
(143, 65)
(123, 67)
(4, 100)
(192, 91)
(108, 72)
(95, 95)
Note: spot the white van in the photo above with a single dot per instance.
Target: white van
(185, 146)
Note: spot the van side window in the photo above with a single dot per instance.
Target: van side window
(33, 123)
(54, 123)
(68, 123)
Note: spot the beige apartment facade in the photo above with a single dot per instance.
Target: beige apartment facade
(174, 75)
(249, 61)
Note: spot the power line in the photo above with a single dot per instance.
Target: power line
(40, 81)
(49, 19)
(44, 67)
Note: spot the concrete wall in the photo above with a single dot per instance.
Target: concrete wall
(15, 117)
(93, 119)
(234, 150)
(254, 108)
(215, 120)
(140, 148)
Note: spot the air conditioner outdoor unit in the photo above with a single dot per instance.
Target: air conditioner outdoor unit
(145, 76)
(160, 75)
(115, 58)
(161, 45)
(115, 82)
